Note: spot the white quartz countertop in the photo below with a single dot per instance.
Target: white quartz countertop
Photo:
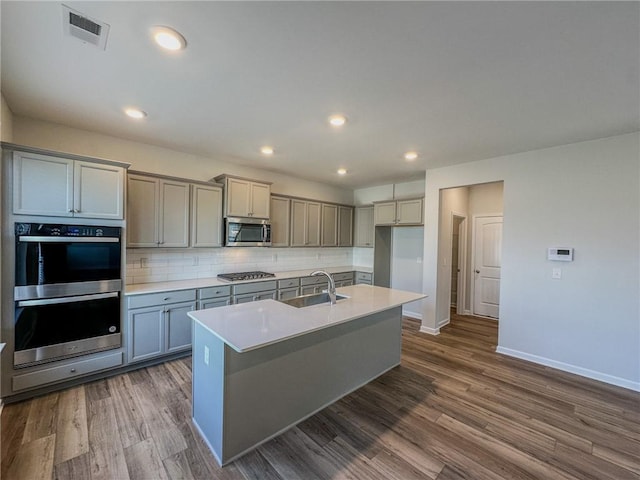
(156, 287)
(248, 326)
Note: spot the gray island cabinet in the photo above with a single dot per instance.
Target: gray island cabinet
(260, 368)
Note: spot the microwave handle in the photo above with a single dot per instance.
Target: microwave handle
(56, 301)
(264, 233)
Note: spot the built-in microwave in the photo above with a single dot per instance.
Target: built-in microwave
(247, 232)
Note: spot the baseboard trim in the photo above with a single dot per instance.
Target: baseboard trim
(415, 315)
(444, 323)
(566, 367)
(429, 330)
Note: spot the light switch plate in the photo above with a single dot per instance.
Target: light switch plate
(556, 273)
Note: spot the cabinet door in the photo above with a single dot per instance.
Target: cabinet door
(178, 327)
(287, 293)
(314, 215)
(145, 333)
(280, 221)
(298, 223)
(260, 196)
(385, 213)
(143, 201)
(174, 214)
(409, 211)
(238, 194)
(308, 290)
(270, 295)
(329, 236)
(345, 226)
(98, 191)
(42, 185)
(206, 216)
(364, 227)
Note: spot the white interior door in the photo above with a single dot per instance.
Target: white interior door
(487, 262)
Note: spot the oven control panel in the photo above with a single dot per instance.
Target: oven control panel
(56, 230)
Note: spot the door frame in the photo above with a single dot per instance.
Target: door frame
(462, 261)
(473, 260)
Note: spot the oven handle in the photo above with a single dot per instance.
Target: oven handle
(69, 239)
(55, 301)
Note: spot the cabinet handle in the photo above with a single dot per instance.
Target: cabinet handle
(71, 210)
(73, 370)
(77, 210)
(166, 298)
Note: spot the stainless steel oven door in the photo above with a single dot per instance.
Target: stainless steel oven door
(54, 328)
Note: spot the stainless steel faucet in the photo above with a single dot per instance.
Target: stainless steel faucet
(332, 285)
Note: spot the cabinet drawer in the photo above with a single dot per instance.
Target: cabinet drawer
(317, 280)
(213, 303)
(256, 296)
(254, 287)
(288, 283)
(342, 277)
(163, 298)
(66, 372)
(213, 292)
(363, 277)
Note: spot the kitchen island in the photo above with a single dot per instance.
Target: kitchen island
(259, 368)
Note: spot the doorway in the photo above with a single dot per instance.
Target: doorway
(458, 261)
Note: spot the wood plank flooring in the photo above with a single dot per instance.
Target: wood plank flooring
(454, 409)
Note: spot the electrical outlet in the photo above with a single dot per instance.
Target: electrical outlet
(274, 258)
(206, 355)
(556, 273)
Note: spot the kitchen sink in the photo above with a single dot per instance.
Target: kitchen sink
(313, 299)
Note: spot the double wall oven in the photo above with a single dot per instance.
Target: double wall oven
(67, 291)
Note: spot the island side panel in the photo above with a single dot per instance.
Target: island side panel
(208, 387)
(270, 389)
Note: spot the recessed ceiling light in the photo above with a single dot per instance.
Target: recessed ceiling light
(411, 156)
(266, 150)
(337, 120)
(168, 38)
(135, 113)
(342, 171)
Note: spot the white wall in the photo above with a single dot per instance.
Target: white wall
(150, 158)
(453, 200)
(586, 196)
(6, 121)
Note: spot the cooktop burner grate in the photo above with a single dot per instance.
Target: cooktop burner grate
(236, 277)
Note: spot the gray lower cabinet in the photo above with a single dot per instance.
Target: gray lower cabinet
(158, 324)
(212, 297)
(364, 278)
(68, 370)
(288, 288)
(252, 292)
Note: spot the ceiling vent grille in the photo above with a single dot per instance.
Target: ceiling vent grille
(87, 29)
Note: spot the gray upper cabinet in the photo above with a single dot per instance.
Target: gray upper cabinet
(364, 227)
(399, 212)
(280, 221)
(245, 198)
(157, 212)
(56, 186)
(206, 216)
(329, 237)
(345, 226)
(305, 223)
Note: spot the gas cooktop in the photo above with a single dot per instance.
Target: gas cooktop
(236, 277)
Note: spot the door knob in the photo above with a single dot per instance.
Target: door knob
(477, 271)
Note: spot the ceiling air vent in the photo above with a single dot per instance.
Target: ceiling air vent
(87, 29)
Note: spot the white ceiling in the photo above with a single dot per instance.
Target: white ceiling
(456, 81)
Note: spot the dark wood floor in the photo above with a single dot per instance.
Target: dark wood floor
(453, 409)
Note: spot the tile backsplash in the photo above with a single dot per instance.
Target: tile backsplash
(146, 265)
